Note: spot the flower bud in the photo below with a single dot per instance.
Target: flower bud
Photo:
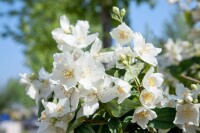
(193, 86)
(125, 63)
(180, 101)
(122, 57)
(53, 120)
(195, 100)
(123, 12)
(188, 99)
(115, 10)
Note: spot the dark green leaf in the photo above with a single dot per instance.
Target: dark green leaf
(118, 110)
(75, 123)
(85, 128)
(115, 125)
(165, 118)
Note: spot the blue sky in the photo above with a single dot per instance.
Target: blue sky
(12, 59)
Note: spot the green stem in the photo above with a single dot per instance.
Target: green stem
(135, 79)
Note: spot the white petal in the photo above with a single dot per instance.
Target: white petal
(64, 23)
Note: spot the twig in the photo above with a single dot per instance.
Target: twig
(190, 78)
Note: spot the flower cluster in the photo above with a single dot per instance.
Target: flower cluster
(86, 79)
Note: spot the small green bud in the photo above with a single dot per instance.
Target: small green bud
(193, 86)
(123, 12)
(125, 63)
(129, 57)
(195, 100)
(53, 120)
(122, 57)
(115, 10)
(114, 16)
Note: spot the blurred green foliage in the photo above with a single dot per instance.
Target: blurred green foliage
(14, 92)
(37, 18)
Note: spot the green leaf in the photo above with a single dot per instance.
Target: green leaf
(74, 124)
(135, 70)
(165, 118)
(115, 125)
(85, 128)
(118, 110)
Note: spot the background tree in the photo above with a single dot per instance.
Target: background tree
(37, 18)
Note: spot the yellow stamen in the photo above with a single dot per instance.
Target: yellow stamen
(142, 114)
(151, 82)
(123, 34)
(68, 74)
(120, 90)
(148, 97)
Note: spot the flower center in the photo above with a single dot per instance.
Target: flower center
(68, 74)
(120, 90)
(148, 97)
(80, 39)
(45, 83)
(187, 112)
(142, 114)
(43, 116)
(123, 34)
(59, 108)
(145, 49)
(151, 82)
(86, 72)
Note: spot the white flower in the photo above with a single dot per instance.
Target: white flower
(44, 85)
(57, 110)
(182, 92)
(63, 71)
(146, 51)
(101, 90)
(31, 89)
(60, 33)
(88, 71)
(173, 51)
(80, 37)
(149, 99)
(142, 116)
(104, 57)
(122, 34)
(152, 80)
(49, 124)
(187, 114)
(62, 92)
(121, 90)
(168, 100)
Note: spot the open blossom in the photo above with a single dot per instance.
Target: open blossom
(88, 71)
(183, 93)
(146, 51)
(44, 85)
(57, 109)
(60, 33)
(50, 124)
(63, 71)
(104, 57)
(101, 91)
(187, 114)
(142, 116)
(122, 34)
(121, 90)
(80, 37)
(31, 89)
(152, 80)
(149, 99)
(72, 94)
